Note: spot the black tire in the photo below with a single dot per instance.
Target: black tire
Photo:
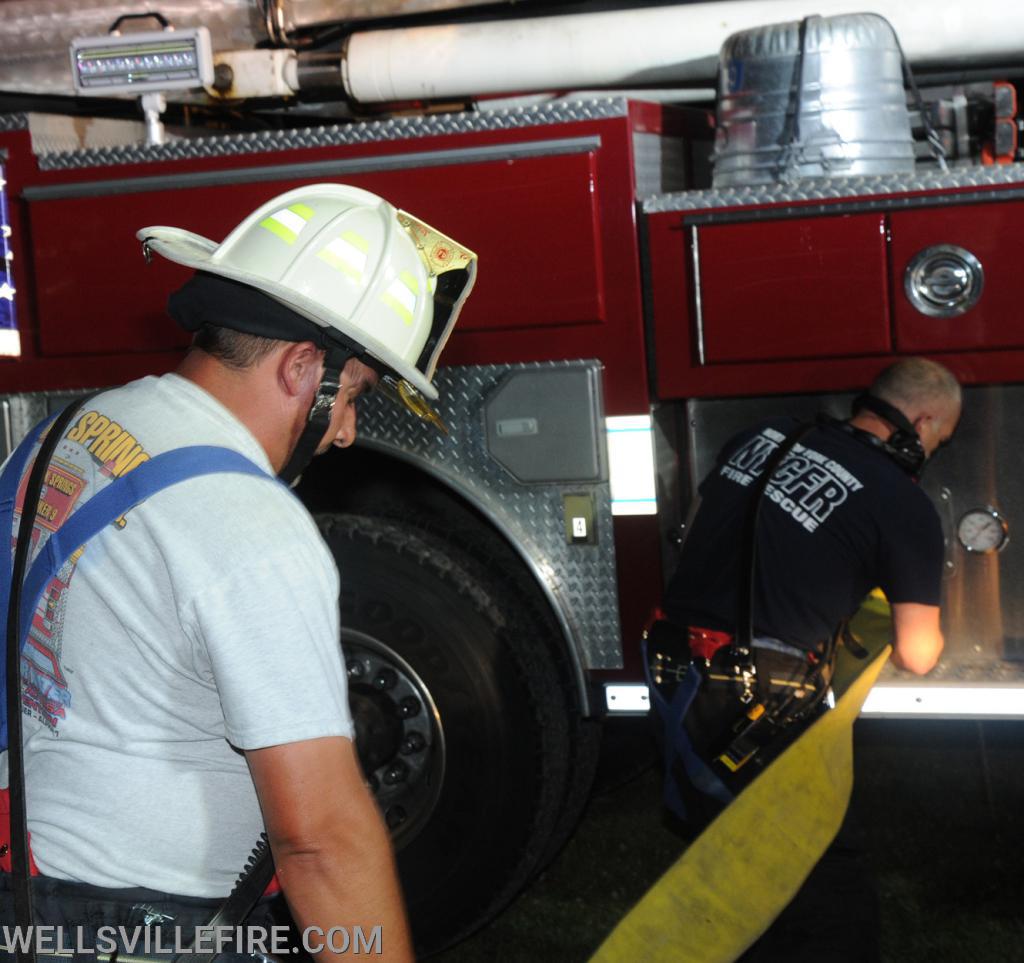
(485, 802)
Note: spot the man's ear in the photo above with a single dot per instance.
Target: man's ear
(300, 366)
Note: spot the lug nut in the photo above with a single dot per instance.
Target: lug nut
(397, 772)
(413, 742)
(409, 707)
(355, 669)
(385, 679)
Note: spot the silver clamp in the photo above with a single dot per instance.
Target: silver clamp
(326, 395)
(748, 676)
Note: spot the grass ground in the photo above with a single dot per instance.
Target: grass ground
(946, 802)
(942, 804)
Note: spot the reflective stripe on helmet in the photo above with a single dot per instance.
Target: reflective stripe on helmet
(288, 223)
(401, 295)
(347, 254)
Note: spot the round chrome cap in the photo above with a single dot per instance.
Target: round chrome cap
(944, 281)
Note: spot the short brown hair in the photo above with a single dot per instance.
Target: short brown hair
(233, 348)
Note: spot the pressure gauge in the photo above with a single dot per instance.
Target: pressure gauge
(983, 530)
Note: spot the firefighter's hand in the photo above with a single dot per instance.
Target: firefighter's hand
(917, 636)
(331, 850)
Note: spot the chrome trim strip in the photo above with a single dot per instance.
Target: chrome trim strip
(698, 304)
(6, 428)
(810, 189)
(884, 204)
(395, 130)
(316, 169)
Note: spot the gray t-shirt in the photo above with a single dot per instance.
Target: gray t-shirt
(202, 623)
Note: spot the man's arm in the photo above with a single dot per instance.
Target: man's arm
(917, 636)
(331, 850)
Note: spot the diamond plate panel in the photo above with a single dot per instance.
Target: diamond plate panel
(335, 135)
(835, 188)
(579, 580)
(13, 122)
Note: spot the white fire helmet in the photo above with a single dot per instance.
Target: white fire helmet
(346, 259)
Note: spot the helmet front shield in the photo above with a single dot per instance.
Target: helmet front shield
(452, 271)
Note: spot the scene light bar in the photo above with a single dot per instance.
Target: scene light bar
(141, 62)
(945, 701)
(883, 701)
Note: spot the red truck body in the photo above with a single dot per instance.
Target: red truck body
(604, 260)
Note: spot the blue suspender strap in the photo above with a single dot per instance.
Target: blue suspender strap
(92, 517)
(677, 741)
(699, 772)
(118, 497)
(89, 519)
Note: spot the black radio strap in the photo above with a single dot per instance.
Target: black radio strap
(252, 883)
(743, 641)
(21, 885)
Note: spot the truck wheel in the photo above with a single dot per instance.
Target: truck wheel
(463, 724)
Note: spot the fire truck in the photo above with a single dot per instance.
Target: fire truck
(630, 314)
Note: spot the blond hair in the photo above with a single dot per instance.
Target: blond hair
(915, 383)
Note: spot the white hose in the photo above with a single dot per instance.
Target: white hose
(653, 45)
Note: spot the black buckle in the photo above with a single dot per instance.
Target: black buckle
(668, 651)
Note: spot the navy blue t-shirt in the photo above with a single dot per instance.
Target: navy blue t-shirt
(838, 519)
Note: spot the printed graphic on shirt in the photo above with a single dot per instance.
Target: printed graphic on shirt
(45, 689)
(61, 488)
(114, 447)
(112, 452)
(808, 486)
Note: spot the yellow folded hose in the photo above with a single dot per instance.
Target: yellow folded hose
(739, 874)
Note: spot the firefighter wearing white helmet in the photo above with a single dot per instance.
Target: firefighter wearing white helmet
(375, 282)
(216, 706)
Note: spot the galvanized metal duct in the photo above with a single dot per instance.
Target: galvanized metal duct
(821, 97)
